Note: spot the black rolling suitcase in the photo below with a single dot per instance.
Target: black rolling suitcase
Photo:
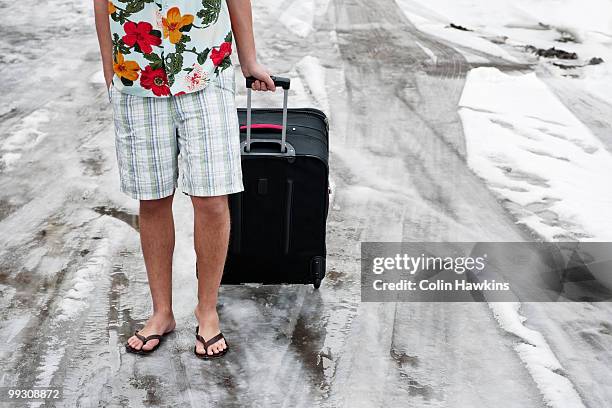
(278, 223)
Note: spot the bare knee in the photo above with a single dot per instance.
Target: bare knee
(155, 207)
(210, 207)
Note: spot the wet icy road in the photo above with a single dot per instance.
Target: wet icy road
(72, 282)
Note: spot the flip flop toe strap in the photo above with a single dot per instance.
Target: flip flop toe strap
(210, 342)
(148, 338)
(200, 339)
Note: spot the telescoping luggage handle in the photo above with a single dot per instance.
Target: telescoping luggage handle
(284, 83)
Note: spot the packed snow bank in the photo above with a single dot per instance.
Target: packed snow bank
(82, 282)
(300, 16)
(533, 152)
(26, 136)
(552, 172)
(577, 16)
(504, 28)
(497, 16)
(313, 74)
(438, 26)
(556, 389)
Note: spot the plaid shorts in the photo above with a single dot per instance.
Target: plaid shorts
(197, 133)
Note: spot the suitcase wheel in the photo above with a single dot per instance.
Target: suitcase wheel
(317, 270)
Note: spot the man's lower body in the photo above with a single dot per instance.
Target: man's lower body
(194, 136)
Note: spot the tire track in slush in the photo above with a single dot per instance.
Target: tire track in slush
(427, 348)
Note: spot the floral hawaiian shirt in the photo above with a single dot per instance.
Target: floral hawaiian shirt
(168, 47)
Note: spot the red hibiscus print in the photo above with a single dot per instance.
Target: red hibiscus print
(155, 80)
(218, 55)
(140, 34)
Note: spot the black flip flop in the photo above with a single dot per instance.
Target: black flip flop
(144, 340)
(209, 343)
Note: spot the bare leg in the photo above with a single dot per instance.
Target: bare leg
(157, 241)
(211, 237)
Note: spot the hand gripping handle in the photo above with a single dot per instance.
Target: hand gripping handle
(284, 83)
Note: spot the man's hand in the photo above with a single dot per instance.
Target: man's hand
(242, 27)
(264, 82)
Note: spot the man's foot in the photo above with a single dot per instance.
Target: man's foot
(208, 320)
(159, 323)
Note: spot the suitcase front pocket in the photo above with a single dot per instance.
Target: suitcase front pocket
(265, 227)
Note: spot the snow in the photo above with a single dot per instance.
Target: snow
(426, 18)
(81, 283)
(429, 52)
(97, 78)
(552, 173)
(312, 72)
(378, 197)
(582, 18)
(546, 166)
(556, 389)
(499, 17)
(10, 159)
(49, 366)
(300, 16)
(537, 155)
(26, 136)
(10, 330)
(516, 24)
